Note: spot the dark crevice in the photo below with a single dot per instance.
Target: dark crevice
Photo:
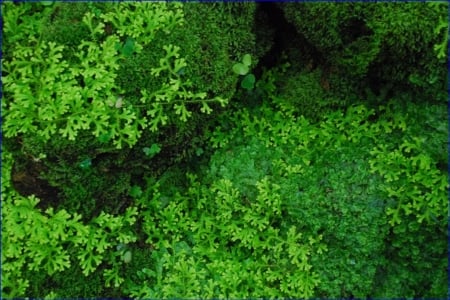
(354, 29)
(26, 180)
(285, 40)
(282, 33)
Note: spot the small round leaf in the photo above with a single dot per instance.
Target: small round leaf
(247, 60)
(240, 69)
(248, 82)
(127, 257)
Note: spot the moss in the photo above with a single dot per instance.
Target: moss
(65, 26)
(212, 38)
(306, 94)
(380, 43)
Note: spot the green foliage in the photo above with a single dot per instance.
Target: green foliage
(104, 77)
(51, 241)
(276, 176)
(242, 68)
(304, 93)
(65, 29)
(415, 180)
(289, 192)
(128, 48)
(301, 159)
(62, 98)
(213, 49)
(441, 47)
(92, 186)
(17, 30)
(71, 60)
(173, 91)
(248, 82)
(345, 40)
(383, 43)
(325, 170)
(152, 151)
(425, 197)
(52, 102)
(200, 246)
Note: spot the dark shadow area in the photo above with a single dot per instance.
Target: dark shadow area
(26, 180)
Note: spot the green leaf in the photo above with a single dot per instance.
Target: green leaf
(118, 46)
(248, 82)
(247, 60)
(127, 257)
(103, 138)
(181, 110)
(152, 151)
(85, 163)
(135, 191)
(181, 71)
(205, 108)
(128, 47)
(240, 69)
(112, 276)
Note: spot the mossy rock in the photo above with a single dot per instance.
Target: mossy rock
(211, 38)
(307, 92)
(383, 43)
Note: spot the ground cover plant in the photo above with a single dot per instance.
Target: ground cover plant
(224, 150)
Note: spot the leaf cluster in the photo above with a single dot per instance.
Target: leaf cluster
(324, 169)
(51, 241)
(289, 192)
(202, 235)
(63, 98)
(381, 44)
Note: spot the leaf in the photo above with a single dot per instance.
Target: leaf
(127, 257)
(248, 82)
(105, 137)
(135, 191)
(205, 108)
(85, 163)
(152, 151)
(111, 275)
(247, 60)
(88, 262)
(181, 110)
(240, 69)
(181, 71)
(128, 47)
(118, 46)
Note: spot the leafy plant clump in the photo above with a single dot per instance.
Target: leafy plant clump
(242, 68)
(125, 85)
(391, 45)
(64, 98)
(155, 150)
(52, 241)
(325, 165)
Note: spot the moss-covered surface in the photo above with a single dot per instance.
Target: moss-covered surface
(326, 179)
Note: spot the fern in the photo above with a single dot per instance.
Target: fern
(56, 96)
(50, 241)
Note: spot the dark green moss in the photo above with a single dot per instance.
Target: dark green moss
(379, 43)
